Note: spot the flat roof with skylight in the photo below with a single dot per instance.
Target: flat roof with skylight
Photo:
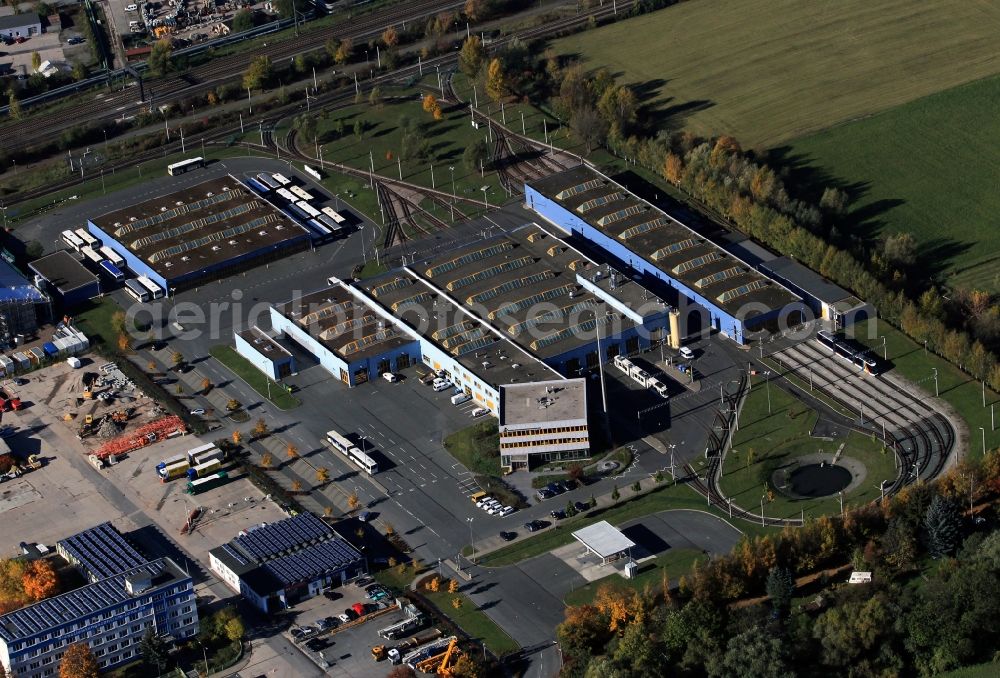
(563, 400)
(668, 244)
(199, 227)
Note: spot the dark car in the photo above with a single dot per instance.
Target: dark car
(534, 525)
(543, 494)
(364, 581)
(581, 507)
(557, 515)
(508, 536)
(332, 595)
(555, 488)
(569, 484)
(351, 614)
(372, 587)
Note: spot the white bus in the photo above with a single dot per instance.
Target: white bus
(70, 238)
(333, 214)
(362, 460)
(307, 208)
(300, 193)
(112, 256)
(286, 195)
(281, 179)
(88, 240)
(329, 223)
(185, 165)
(339, 442)
(136, 291)
(155, 291)
(91, 255)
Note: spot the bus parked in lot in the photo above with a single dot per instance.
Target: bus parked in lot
(349, 450)
(136, 291)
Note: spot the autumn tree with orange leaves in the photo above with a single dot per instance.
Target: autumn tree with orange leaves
(40, 580)
(78, 662)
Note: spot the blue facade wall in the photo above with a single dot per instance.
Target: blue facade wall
(556, 214)
(334, 364)
(81, 294)
(134, 263)
(262, 362)
(139, 267)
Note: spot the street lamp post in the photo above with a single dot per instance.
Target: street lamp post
(472, 541)
(936, 392)
(983, 431)
(454, 196)
(767, 388)
(672, 475)
(486, 197)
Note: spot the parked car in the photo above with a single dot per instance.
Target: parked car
(76, 40)
(344, 618)
(555, 488)
(686, 353)
(198, 411)
(365, 516)
(364, 581)
(390, 377)
(507, 510)
(322, 625)
(532, 526)
(508, 536)
(557, 515)
(570, 484)
(543, 494)
(297, 634)
(581, 507)
(332, 595)
(131, 8)
(479, 411)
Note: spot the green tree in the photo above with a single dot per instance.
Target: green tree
(755, 653)
(359, 128)
(476, 154)
(588, 126)
(375, 97)
(618, 105)
(259, 74)
(36, 61)
(942, 525)
(780, 587)
(80, 71)
(307, 128)
(13, 105)
(900, 249)
(155, 651)
(344, 51)
(242, 21)
(158, 61)
(234, 629)
(300, 64)
(471, 56)
(615, 494)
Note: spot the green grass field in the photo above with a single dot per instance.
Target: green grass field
(767, 71)
(923, 168)
(676, 562)
(958, 389)
(256, 379)
(765, 442)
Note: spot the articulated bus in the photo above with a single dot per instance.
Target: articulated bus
(71, 239)
(185, 165)
(136, 291)
(348, 449)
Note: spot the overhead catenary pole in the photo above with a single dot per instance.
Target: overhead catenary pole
(250, 100)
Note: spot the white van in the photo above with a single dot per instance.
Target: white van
(686, 353)
(390, 377)
(460, 398)
(441, 386)
(480, 411)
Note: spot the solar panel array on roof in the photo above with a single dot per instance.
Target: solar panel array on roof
(102, 551)
(75, 605)
(308, 564)
(286, 535)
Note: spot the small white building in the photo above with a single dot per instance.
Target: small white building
(14, 26)
(605, 541)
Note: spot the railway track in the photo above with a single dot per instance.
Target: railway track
(104, 107)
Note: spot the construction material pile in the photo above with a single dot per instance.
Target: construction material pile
(142, 436)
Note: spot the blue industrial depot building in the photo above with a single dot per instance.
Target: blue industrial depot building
(665, 254)
(207, 231)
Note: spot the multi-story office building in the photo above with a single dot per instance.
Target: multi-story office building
(126, 595)
(543, 421)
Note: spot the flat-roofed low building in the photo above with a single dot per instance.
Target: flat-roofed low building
(209, 230)
(62, 273)
(266, 354)
(277, 565)
(605, 541)
(543, 421)
(126, 595)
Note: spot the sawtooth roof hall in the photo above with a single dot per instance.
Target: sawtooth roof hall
(585, 203)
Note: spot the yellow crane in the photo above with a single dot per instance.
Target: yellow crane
(440, 663)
